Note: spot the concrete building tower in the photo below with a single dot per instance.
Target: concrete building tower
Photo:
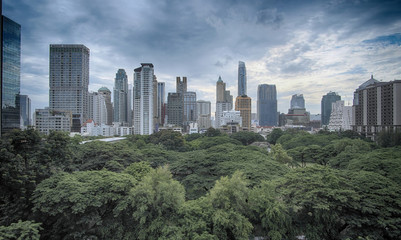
(69, 80)
(297, 101)
(224, 101)
(143, 99)
(109, 106)
(243, 104)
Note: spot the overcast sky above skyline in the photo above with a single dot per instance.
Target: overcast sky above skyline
(307, 47)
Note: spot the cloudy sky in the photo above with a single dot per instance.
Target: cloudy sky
(308, 47)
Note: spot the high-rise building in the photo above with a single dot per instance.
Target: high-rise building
(230, 118)
(143, 99)
(377, 107)
(26, 119)
(161, 100)
(109, 106)
(10, 75)
(121, 95)
(97, 108)
(189, 108)
(267, 105)
(242, 90)
(69, 80)
(203, 112)
(326, 105)
(224, 101)
(243, 104)
(181, 86)
(297, 101)
(340, 117)
(175, 109)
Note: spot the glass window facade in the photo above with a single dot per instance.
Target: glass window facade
(10, 83)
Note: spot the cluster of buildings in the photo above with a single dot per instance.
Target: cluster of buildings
(144, 107)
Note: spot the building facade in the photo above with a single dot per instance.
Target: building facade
(175, 109)
(69, 80)
(121, 98)
(224, 101)
(10, 75)
(326, 105)
(231, 118)
(26, 119)
(267, 105)
(143, 99)
(161, 100)
(190, 112)
(243, 104)
(377, 107)
(109, 106)
(97, 108)
(242, 89)
(340, 117)
(297, 101)
(47, 120)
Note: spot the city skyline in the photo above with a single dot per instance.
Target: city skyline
(309, 48)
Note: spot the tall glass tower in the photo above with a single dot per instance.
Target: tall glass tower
(241, 79)
(10, 74)
(69, 81)
(267, 105)
(121, 97)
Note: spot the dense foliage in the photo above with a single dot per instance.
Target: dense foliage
(204, 186)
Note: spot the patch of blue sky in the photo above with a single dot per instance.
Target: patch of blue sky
(393, 39)
(355, 70)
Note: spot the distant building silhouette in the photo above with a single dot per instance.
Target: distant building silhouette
(26, 116)
(109, 106)
(121, 98)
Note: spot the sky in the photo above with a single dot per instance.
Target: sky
(303, 47)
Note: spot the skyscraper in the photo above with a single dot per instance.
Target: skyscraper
(326, 105)
(121, 95)
(143, 99)
(109, 106)
(242, 79)
(224, 101)
(175, 109)
(243, 104)
(161, 100)
(297, 101)
(26, 116)
(10, 75)
(97, 108)
(189, 108)
(267, 105)
(181, 86)
(69, 80)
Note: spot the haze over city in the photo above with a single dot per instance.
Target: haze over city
(308, 47)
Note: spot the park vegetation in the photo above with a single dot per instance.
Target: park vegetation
(332, 186)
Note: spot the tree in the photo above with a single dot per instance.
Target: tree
(275, 135)
(229, 201)
(280, 155)
(247, 138)
(154, 206)
(212, 132)
(28, 230)
(170, 139)
(82, 205)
